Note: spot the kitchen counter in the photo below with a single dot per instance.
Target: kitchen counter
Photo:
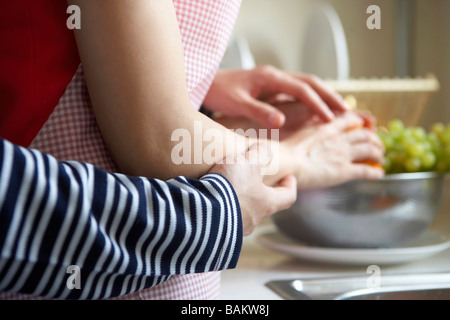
(259, 265)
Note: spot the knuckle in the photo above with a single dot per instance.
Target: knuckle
(304, 87)
(291, 201)
(371, 152)
(371, 135)
(266, 70)
(312, 78)
(329, 130)
(366, 135)
(362, 172)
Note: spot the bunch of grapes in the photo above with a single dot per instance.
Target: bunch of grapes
(413, 149)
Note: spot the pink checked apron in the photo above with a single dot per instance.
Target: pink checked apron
(71, 132)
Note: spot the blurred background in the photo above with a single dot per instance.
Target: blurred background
(331, 39)
(414, 41)
(387, 70)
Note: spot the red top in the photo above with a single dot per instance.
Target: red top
(38, 58)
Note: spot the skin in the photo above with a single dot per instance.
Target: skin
(255, 196)
(133, 61)
(236, 93)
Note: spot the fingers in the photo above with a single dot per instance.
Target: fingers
(369, 119)
(311, 90)
(305, 93)
(278, 81)
(284, 195)
(263, 113)
(366, 145)
(366, 152)
(364, 135)
(364, 171)
(343, 123)
(333, 99)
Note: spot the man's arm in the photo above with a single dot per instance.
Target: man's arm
(124, 233)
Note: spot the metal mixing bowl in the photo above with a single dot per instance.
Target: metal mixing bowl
(365, 213)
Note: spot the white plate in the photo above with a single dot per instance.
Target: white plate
(428, 244)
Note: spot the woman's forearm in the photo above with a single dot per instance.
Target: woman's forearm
(133, 61)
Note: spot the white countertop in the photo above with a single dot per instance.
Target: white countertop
(258, 265)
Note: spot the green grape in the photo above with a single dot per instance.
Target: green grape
(387, 139)
(415, 150)
(412, 164)
(442, 165)
(419, 133)
(387, 164)
(426, 144)
(428, 160)
(438, 128)
(433, 140)
(400, 157)
(406, 134)
(397, 137)
(446, 151)
(412, 149)
(396, 125)
(445, 136)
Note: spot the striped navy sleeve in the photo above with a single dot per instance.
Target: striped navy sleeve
(122, 233)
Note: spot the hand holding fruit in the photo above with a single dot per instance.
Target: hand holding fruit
(330, 153)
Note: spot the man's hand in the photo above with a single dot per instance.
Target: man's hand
(257, 200)
(253, 94)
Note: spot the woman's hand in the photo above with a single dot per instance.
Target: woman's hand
(298, 117)
(329, 153)
(254, 94)
(257, 200)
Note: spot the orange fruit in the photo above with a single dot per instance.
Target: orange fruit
(371, 163)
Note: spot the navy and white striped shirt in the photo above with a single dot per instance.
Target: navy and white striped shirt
(124, 233)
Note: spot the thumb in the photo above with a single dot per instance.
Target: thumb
(264, 113)
(284, 194)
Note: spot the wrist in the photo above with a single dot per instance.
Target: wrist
(291, 161)
(285, 162)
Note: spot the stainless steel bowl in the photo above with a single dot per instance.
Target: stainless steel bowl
(365, 213)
